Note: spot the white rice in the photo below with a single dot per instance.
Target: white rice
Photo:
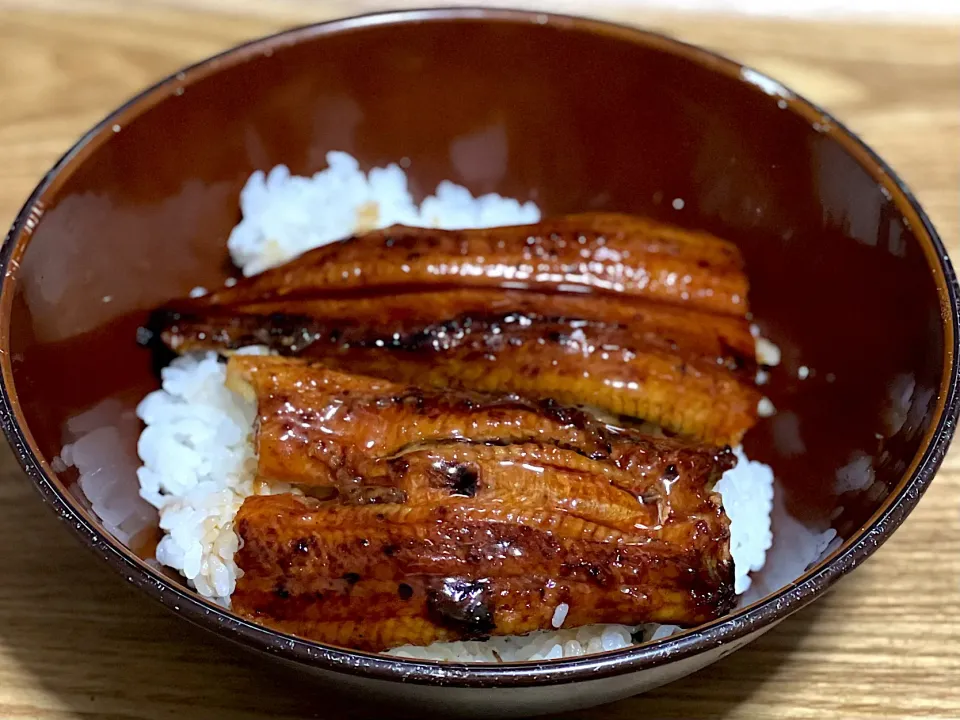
(197, 452)
(198, 467)
(559, 615)
(768, 353)
(541, 645)
(284, 215)
(766, 408)
(747, 493)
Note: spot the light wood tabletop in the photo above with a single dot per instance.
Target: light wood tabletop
(76, 641)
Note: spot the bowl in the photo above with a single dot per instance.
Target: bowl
(848, 276)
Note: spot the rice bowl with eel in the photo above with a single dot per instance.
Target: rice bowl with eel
(198, 444)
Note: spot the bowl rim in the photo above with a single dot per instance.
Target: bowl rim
(755, 618)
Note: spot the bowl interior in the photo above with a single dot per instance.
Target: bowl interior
(572, 115)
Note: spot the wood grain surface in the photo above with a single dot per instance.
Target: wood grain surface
(75, 641)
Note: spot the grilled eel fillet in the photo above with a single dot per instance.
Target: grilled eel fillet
(683, 360)
(440, 516)
(606, 253)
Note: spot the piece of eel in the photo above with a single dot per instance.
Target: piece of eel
(625, 315)
(421, 515)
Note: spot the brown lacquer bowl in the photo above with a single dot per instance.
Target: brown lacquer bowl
(848, 276)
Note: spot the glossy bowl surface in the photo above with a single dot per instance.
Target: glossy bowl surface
(848, 276)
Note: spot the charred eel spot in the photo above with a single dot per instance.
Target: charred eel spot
(459, 478)
(465, 482)
(462, 605)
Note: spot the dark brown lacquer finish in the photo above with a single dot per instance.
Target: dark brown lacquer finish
(846, 273)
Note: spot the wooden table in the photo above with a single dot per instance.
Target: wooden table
(75, 641)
